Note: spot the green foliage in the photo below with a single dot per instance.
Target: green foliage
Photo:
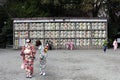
(43, 8)
(114, 20)
(28, 8)
(8, 28)
(110, 43)
(46, 8)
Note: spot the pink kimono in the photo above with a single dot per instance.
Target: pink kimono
(28, 54)
(115, 44)
(69, 45)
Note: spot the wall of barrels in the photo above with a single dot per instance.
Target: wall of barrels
(83, 33)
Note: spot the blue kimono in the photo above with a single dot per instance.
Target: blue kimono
(42, 58)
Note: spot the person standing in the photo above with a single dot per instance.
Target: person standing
(115, 44)
(105, 45)
(42, 56)
(28, 54)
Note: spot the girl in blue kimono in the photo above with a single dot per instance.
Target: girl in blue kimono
(42, 56)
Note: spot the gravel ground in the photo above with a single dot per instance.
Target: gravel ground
(64, 65)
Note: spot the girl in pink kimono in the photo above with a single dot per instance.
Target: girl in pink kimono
(28, 54)
(115, 44)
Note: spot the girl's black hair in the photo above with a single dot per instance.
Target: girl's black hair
(38, 42)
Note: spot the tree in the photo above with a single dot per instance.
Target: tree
(93, 6)
(44, 8)
(74, 8)
(114, 17)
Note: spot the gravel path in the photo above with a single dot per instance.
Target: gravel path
(64, 65)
